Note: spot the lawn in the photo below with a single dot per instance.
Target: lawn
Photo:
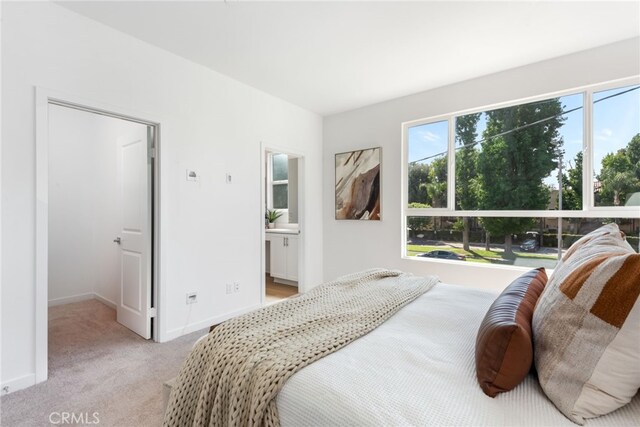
(478, 255)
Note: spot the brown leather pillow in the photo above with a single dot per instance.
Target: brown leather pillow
(504, 346)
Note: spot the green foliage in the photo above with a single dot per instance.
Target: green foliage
(620, 174)
(467, 183)
(272, 215)
(513, 163)
(507, 226)
(428, 183)
(458, 225)
(520, 148)
(572, 186)
(437, 185)
(419, 205)
(479, 255)
(418, 177)
(466, 162)
(633, 152)
(419, 224)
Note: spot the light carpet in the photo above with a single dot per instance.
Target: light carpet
(97, 365)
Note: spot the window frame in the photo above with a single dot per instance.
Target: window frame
(589, 210)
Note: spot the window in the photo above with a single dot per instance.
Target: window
(616, 147)
(278, 182)
(506, 185)
(428, 165)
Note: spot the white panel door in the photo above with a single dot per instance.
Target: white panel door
(134, 305)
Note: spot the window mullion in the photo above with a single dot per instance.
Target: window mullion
(404, 196)
(588, 199)
(624, 212)
(451, 160)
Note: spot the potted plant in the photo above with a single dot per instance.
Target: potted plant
(271, 216)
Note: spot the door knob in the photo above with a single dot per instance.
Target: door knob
(117, 240)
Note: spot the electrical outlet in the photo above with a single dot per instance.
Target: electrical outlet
(192, 297)
(229, 288)
(236, 287)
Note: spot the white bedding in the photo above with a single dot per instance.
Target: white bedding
(418, 368)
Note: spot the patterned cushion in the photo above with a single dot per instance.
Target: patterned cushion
(586, 327)
(608, 235)
(504, 348)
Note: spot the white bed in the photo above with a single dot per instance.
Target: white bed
(418, 368)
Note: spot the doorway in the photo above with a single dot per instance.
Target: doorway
(282, 181)
(97, 236)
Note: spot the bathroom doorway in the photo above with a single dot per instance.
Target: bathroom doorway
(282, 235)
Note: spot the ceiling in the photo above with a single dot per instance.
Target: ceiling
(330, 57)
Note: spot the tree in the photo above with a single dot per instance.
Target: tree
(572, 190)
(436, 186)
(619, 175)
(572, 186)
(520, 148)
(619, 184)
(466, 169)
(633, 152)
(417, 224)
(418, 177)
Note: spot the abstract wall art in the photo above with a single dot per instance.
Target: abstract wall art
(358, 184)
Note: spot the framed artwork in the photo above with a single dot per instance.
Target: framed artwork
(358, 184)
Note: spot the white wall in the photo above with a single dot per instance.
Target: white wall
(209, 123)
(351, 246)
(84, 205)
(1, 234)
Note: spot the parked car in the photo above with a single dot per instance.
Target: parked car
(443, 255)
(531, 243)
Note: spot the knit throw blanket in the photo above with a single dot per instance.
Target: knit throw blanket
(232, 376)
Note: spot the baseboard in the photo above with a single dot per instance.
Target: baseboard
(105, 301)
(72, 298)
(17, 383)
(196, 326)
(82, 297)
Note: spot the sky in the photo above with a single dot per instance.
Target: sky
(615, 121)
